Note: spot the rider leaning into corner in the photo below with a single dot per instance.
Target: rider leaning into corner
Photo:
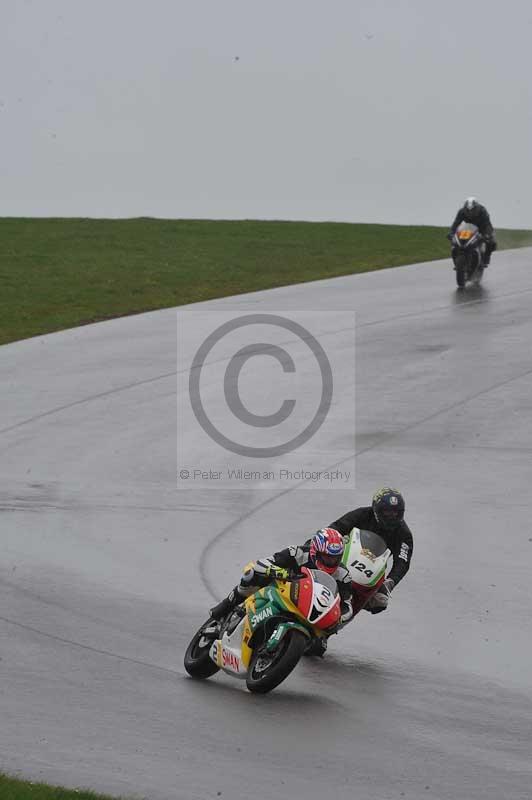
(384, 516)
(325, 550)
(475, 213)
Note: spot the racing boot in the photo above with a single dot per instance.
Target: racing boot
(226, 605)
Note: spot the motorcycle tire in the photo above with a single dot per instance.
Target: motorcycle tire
(460, 267)
(262, 679)
(198, 662)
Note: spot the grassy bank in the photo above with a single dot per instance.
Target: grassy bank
(13, 789)
(58, 273)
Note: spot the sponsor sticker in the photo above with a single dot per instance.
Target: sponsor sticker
(260, 616)
(230, 660)
(404, 551)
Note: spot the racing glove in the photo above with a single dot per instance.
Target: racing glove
(277, 572)
(261, 567)
(259, 574)
(265, 568)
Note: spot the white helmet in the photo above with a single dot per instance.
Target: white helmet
(471, 203)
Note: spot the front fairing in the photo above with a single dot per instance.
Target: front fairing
(467, 236)
(312, 598)
(232, 652)
(315, 597)
(367, 557)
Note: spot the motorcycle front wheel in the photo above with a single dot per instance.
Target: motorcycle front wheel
(460, 267)
(268, 670)
(198, 662)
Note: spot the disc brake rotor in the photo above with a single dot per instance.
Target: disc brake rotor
(262, 663)
(208, 635)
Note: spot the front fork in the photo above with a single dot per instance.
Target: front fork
(280, 632)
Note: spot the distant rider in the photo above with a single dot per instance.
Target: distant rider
(384, 516)
(324, 551)
(475, 213)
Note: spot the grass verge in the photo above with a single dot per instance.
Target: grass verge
(58, 273)
(13, 789)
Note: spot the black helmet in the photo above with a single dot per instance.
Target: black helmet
(388, 507)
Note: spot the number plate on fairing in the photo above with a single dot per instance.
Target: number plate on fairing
(366, 557)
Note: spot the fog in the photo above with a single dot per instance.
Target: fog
(368, 111)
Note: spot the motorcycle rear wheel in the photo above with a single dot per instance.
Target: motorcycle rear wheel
(266, 671)
(198, 662)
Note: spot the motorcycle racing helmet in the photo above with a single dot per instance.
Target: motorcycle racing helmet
(388, 507)
(471, 203)
(327, 549)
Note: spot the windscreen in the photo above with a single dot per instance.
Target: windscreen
(373, 542)
(467, 226)
(326, 580)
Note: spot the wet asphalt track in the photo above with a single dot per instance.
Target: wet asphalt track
(106, 569)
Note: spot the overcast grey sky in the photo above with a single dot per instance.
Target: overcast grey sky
(381, 111)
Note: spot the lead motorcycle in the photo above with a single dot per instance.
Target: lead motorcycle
(468, 254)
(262, 640)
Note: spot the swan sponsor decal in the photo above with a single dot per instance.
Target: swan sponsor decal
(260, 616)
(230, 660)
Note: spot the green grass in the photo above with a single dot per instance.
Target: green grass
(58, 273)
(13, 789)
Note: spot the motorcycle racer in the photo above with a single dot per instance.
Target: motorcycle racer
(475, 213)
(324, 551)
(385, 516)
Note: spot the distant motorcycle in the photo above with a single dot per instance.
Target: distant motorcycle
(468, 254)
(262, 640)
